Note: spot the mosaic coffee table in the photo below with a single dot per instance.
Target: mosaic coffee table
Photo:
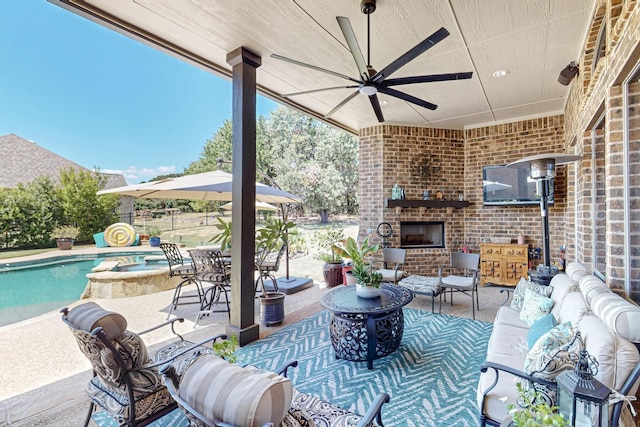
(366, 328)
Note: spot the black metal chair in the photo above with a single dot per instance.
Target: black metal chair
(178, 268)
(210, 268)
(267, 264)
(126, 384)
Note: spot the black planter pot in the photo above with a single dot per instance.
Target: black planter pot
(332, 272)
(272, 308)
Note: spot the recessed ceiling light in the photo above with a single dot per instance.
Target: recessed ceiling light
(384, 102)
(500, 73)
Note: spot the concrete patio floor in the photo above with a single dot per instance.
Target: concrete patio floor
(44, 372)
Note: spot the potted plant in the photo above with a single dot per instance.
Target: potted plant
(271, 238)
(533, 411)
(224, 236)
(154, 236)
(65, 236)
(324, 241)
(367, 281)
(349, 248)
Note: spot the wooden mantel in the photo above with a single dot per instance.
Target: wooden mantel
(438, 203)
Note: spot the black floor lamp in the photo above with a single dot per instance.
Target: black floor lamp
(542, 168)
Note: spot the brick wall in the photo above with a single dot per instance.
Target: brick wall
(456, 159)
(392, 154)
(397, 154)
(502, 144)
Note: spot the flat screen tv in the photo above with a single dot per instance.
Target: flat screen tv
(511, 186)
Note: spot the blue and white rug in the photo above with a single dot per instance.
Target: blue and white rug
(431, 378)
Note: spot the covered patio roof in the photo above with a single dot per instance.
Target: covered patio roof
(533, 40)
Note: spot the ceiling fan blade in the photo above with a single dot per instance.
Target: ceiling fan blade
(375, 103)
(287, 95)
(426, 79)
(342, 104)
(407, 97)
(410, 55)
(313, 67)
(354, 47)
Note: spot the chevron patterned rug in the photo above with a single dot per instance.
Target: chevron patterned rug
(431, 378)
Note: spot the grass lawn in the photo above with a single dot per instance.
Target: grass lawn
(193, 229)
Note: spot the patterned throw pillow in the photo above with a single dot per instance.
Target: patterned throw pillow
(523, 285)
(535, 306)
(547, 363)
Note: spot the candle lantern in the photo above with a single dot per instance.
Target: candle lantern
(583, 400)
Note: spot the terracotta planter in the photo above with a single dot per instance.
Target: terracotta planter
(332, 272)
(64, 244)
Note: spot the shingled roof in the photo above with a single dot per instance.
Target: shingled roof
(22, 161)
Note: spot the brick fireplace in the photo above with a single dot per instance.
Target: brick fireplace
(450, 161)
(422, 234)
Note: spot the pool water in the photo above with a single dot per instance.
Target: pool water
(34, 288)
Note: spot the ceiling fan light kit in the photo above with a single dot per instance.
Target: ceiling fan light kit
(371, 82)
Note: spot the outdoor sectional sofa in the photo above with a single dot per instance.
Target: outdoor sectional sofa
(605, 323)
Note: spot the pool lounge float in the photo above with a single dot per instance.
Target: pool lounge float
(120, 234)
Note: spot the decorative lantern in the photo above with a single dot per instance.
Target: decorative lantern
(583, 400)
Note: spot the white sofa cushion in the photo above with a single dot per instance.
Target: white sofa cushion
(576, 271)
(591, 286)
(562, 285)
(616, 357)
(573, 309)
(620, 315)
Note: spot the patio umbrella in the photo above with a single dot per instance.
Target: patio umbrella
(215, 185)
(260, 206)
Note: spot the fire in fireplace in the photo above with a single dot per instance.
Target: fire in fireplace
(422, 234)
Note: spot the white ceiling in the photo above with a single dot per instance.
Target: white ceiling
(533, 39)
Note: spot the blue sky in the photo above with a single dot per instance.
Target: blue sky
(101, 99)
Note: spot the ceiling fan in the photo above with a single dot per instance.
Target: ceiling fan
(370, 81)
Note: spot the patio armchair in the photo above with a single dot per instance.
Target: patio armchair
(213, 392)
(461, 275)
(210, 268)
(178, 268)
(392, 264)
(126, 384)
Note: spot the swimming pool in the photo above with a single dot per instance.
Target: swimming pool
(28, 289)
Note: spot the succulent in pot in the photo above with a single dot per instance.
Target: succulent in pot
(367, 281)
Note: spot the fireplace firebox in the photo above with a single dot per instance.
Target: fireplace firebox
(422, 234)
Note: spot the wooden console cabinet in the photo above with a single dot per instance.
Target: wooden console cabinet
(503, 264)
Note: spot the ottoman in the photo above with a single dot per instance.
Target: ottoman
(423, 285)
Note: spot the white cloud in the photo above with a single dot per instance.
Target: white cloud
(134, 174)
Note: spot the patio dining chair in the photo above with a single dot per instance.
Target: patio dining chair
(267, 265)
(178, 268)
(392, 264)
(213, 392)
(461, 275)
(126, 385)
(211, 268)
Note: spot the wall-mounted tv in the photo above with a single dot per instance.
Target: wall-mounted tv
(511, 186)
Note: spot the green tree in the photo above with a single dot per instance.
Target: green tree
(28, 213)
(301, 154)
(82, 206)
